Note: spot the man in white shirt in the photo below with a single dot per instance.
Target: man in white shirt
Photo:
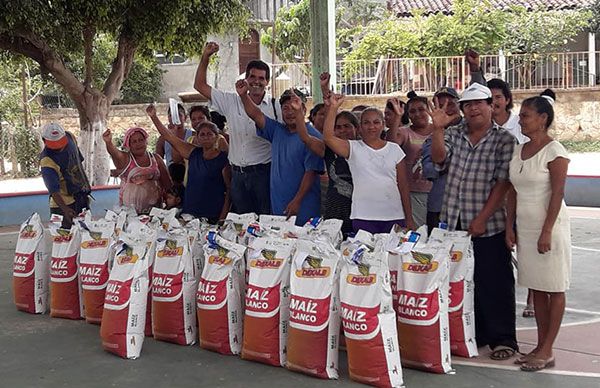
(249, 155)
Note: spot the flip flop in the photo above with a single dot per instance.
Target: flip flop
(524, 358)
(537, 364)
(501, 353)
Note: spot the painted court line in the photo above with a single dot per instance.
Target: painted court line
(585, 249)
(515, 368)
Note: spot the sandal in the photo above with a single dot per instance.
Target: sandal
(524, 358)
(537, 364)
(528, 312)
(501, 353)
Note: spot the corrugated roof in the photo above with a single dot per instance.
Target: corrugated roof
(404, 8)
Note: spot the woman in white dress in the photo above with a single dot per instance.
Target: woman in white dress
(538, 171)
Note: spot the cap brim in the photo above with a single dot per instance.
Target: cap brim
(56, 144)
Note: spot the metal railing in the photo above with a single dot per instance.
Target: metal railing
(568, 70)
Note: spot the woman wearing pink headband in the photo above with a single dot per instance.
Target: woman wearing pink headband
(144, 176)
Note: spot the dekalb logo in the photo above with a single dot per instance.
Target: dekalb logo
(170, 250)
(268, 260)
(128, 257)
(311, 268)
(456, 256)
(63, 236)
(424, 263)
(221, 258)
(28, 232)
(96, 242)
(364, 278)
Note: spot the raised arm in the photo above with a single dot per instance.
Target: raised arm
(200, 83)
(440, 121)
(394, 133)
(314, 144)
(119, 158)
(472, 59)
(182, 147)
(337, 145)
(241, 86)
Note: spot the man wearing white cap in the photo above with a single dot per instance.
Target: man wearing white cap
(477, 153)
(63, 173)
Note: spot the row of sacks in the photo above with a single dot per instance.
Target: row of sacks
(268, 290)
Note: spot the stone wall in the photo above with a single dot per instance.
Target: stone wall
(577, 114)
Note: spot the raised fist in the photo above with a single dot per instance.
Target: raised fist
(211, 48)
(241, 87)
(151, 110)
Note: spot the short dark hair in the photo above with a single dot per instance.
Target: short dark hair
(550, 93)
(359, 108)
(346, 114)
(201, 108)
(207, 124)
(218, 119)
(287, 95)
(259, 65)
(177, 172)
(315, 109)
(541, 105)
(497, 83)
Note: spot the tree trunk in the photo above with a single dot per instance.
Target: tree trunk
(93, 118)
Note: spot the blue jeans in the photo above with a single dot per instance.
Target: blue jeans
(250, 189)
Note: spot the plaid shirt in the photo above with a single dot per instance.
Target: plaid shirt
(472, 173)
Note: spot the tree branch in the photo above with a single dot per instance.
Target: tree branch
(88, 47)
(120, 67)
(28, 44)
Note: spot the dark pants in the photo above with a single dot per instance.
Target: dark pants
(82, 201)
(433, 221)
(250, 189)
(495, 315)
(376, 226)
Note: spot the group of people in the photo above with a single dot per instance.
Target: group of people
(467, 161)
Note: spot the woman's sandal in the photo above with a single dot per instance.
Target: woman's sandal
(524, 358)
(501, 353)
(537, 364)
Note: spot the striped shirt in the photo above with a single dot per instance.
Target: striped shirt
(473, 170)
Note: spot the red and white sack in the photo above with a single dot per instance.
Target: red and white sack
(368, 318)
(461, 307)
(174, 287)
(124, 318)
(66, 300)
(196, 243)
(312, 343)
(167, 218)
(267, 300)
(421, 303)
(219, 298)
(97, 241)
(147, 228)
(31, 267)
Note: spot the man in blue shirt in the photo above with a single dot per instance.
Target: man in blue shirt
(295, 188)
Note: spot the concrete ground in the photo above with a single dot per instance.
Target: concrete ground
(39, 351)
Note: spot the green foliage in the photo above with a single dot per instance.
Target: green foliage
(543, 31)
(144, 83)
(594, 22)
(27, 149)
(292, 41)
